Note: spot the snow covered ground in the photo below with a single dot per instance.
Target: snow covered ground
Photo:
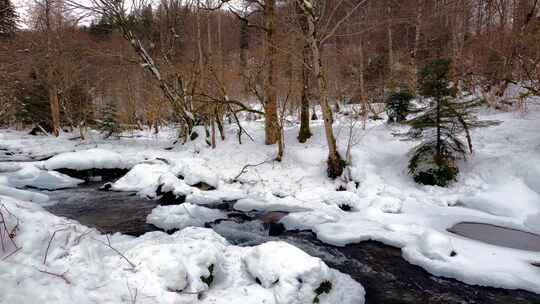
(499, 184)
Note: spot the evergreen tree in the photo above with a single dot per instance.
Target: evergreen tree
(8, 18)
(103, 27)
(110, 124)
(398, 106)
(441, 125)
(34, 110)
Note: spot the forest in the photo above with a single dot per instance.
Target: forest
(270, 151)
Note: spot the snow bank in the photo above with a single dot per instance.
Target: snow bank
(182, 216)
(49, 180)
(23, 194)
(88, 159)
(511, 198)
(272, 203)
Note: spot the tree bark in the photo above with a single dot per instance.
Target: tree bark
(305, 132)
(270, 102)
(52, 89)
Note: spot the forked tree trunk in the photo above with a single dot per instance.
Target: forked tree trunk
(270, 102)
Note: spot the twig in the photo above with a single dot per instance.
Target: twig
(50, 241)
(132, 296)
(108, 244)
(10, 234)
(250, 165)
(11, 253)
(61, 276)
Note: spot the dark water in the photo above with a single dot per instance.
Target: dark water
(108, 211)
(497, 235)
(385, 275)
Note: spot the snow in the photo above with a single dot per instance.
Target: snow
(533, 222)
(509, 198)
(294, 275)
(271, 203)
(387, 204)
(435, 245)
(87, 159)
(41, 179)
(182, 216)
(23, 194)
(142, 178)
(61, 261)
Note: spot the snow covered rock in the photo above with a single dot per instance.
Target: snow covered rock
(295, 277)
(387, 204)
(182, 216)
(214, 197)
(87, 159)
(435, 245)
(196, 173)
(272, 203)
(49, 180)
(142, 178)
(345, 200)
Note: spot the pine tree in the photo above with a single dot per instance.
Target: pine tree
(110, 124)
(8, 18)
(103, 28)
(441, 125)
(398, 106)
(34, 110)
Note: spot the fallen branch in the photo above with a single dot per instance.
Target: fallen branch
(60, 276)
(250, 165)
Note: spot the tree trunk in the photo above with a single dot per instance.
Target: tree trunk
(335, 163)
(363, 95)
(53, 91)
(390, 48)
(55, 110)
(270, 102)
(305, 132)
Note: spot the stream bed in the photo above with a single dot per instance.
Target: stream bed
(380, 268)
